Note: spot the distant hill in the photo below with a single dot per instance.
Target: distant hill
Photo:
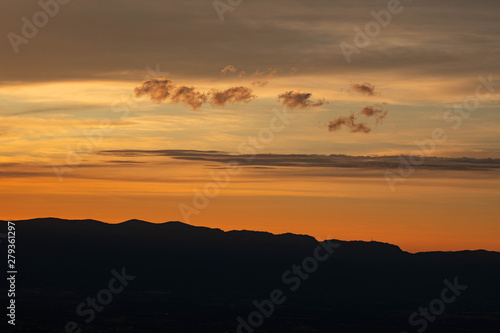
(205, 278)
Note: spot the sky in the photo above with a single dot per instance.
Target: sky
(354, 120)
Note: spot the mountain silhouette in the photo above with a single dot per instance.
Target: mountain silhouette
(194, 279)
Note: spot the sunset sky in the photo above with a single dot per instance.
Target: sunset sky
(115, 110)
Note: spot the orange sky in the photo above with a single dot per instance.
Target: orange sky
(429, 211)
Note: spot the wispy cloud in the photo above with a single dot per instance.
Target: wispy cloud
(160, 90)
(364, 88)
(189, 96)
(262, 78)
(233, 95)
(299, 100)
(62, 109)
(349, 122)
(228, 69)
(157, 89)
(378, 113)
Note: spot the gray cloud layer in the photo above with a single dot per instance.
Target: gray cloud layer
(316, 160)
(305, 165)
(89, 40)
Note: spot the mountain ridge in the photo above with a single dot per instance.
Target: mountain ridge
(214, 276)
(186, 226)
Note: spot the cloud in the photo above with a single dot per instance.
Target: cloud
(259, 78)
(124, 162)
(309, 160)
(262, 78)
(157, 89)
(62, 109)
(369, 111)
(228, 69)
(233, 95)
(189, 96)
(349, 122)
(255, 42)
(300, 100)
(360, 127)
(337, 124)
(378, 113)
(365, 88)
(161, 90)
